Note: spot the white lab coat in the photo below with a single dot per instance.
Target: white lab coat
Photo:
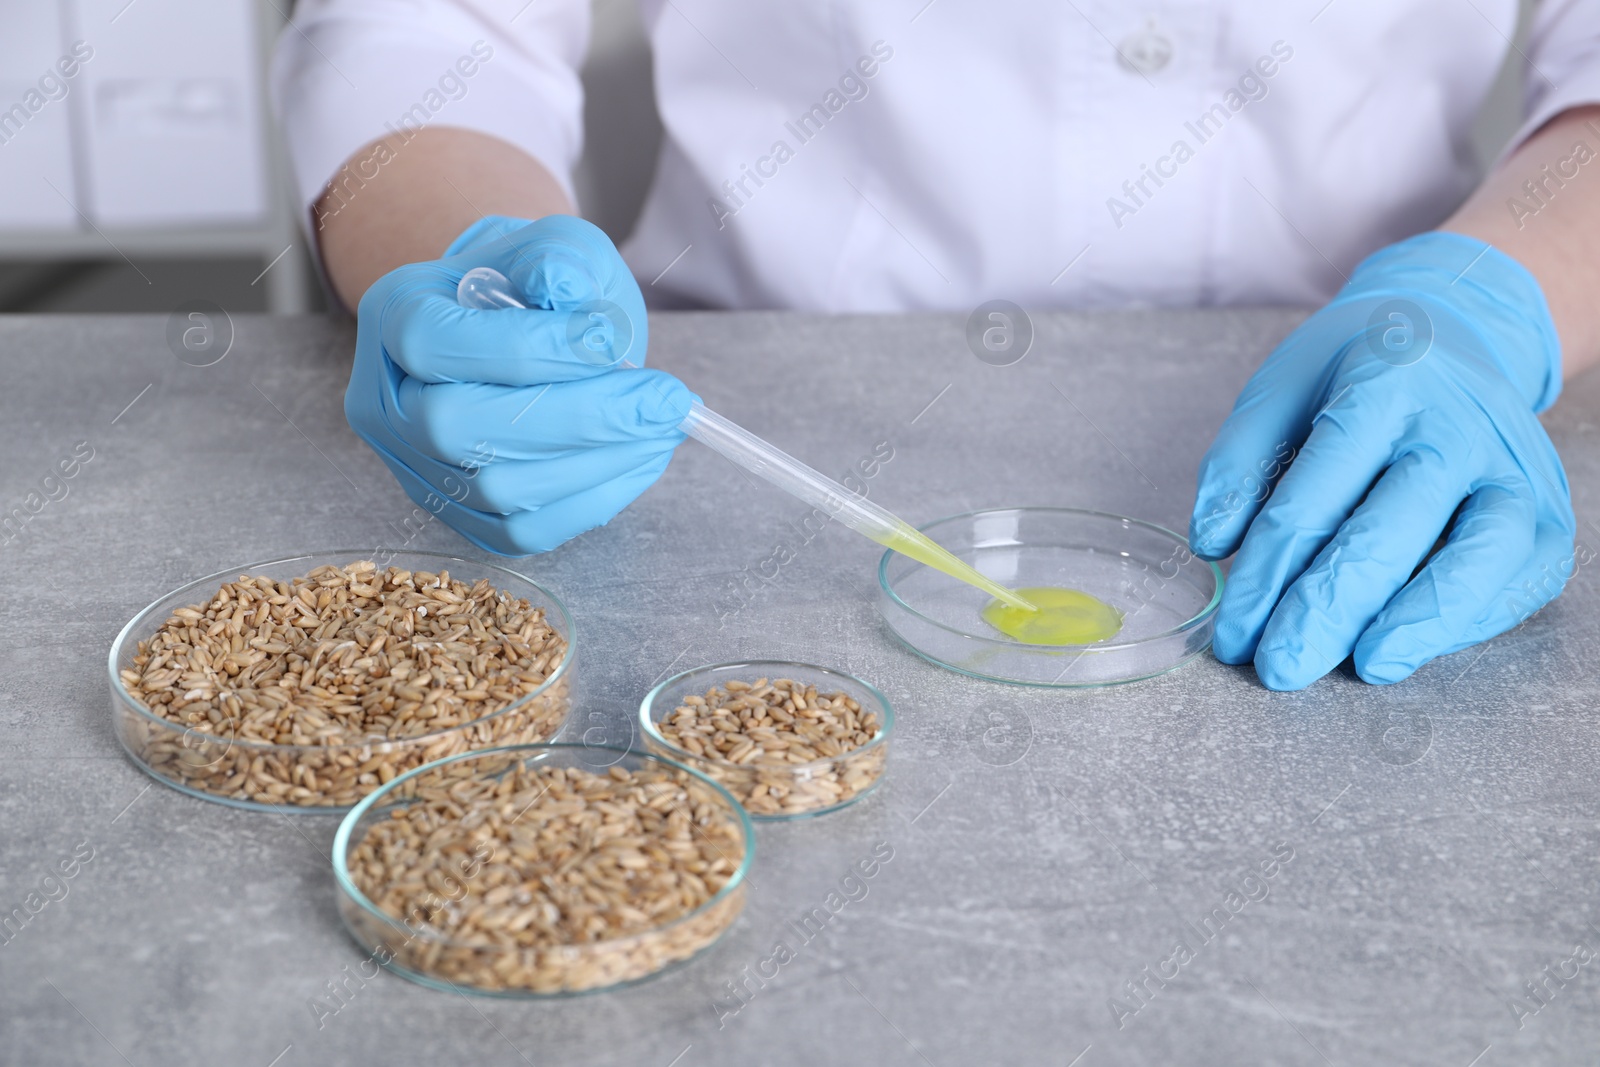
(867, 155)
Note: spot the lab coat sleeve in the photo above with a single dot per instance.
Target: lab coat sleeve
(1563, 62)
(346, 72)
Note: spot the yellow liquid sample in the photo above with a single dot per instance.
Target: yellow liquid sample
(1064, 617)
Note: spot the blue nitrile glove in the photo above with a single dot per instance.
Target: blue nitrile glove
(517, 427)
(1411, 394)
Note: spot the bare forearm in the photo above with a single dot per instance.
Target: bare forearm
(1542, 207)
(397, 202)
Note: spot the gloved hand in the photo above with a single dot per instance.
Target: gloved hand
(1409, 399)
(515, 426)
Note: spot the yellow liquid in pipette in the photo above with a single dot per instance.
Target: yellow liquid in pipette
(909, 541)
(1064, 617)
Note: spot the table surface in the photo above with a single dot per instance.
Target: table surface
(1433, 845)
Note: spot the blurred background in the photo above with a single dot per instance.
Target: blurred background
(155, 174)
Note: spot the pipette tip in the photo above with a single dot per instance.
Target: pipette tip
(1019, 602)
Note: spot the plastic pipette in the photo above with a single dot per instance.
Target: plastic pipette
(485, 287)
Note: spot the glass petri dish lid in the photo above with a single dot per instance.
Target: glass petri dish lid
(215, 763)
(1167, 596)
(501, 953)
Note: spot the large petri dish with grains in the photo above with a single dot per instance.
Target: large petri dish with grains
(305, 684)
(542, 870)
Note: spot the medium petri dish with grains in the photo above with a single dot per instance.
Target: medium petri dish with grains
(542, 870)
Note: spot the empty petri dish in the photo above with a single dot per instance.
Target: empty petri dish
(1167, 596)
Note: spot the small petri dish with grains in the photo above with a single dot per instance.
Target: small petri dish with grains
(305, 684)
(788, 740)
(542, 870)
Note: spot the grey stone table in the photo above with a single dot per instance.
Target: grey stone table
(1191, 869)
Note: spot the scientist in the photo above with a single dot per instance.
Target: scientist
(932, 154)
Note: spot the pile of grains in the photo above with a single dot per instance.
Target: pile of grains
(548, 878)
(779, 746)
(374, 672)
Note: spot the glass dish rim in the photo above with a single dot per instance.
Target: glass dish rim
(1191, 623)
(347, 886)
(647, 724)
(127, 701)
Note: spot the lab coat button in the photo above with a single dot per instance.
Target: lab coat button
(1146, 50)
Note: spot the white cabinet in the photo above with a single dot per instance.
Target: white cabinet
(134, 128)
(37, 183)
(172, 112)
